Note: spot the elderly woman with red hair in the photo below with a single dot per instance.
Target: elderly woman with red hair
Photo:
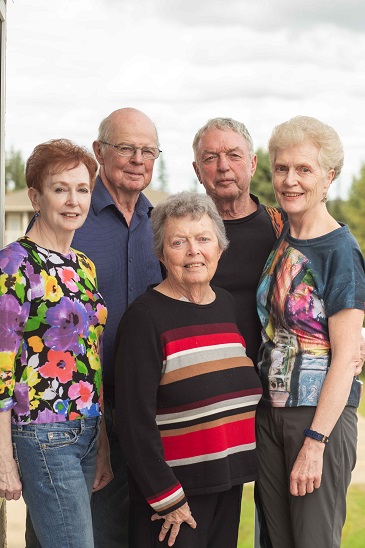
(51, 322)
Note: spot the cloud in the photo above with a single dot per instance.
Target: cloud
(265, 14)
(71, 63)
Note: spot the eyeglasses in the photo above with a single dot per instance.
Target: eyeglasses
(148, 153)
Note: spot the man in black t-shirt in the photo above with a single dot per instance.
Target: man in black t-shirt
(225, 162)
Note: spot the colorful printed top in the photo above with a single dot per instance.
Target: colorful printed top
(51, 323)
(186, 397)
(304, 283)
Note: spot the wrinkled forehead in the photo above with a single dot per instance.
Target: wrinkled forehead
(221, 140)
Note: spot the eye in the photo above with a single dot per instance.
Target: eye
(84, 190)
(304, 169)
(177, 243)
(204, 239)
(149, 153)
(209, 159)
(125, 149)
(234, 156)
(281, 169)
(59, 189)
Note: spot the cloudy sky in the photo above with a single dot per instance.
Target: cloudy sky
(71, 62)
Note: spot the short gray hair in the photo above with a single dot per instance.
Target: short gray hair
(185, 204)
(301, 129)
(224, 124)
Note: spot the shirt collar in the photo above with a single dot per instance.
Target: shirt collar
(101, 199)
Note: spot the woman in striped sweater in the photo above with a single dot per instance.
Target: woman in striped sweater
(186, 393)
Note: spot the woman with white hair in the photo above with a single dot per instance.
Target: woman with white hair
(311, 306)
(186, 393)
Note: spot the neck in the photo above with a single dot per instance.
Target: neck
(124, 201)
(45, 237)
(312, 224)
(235, 209)
(195, 293)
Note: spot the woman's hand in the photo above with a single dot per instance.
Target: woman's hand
(306, 474)
(172, 523)
(10, 484)
(360, 362)
(103, 473)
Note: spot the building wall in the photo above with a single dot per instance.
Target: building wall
(2, 118)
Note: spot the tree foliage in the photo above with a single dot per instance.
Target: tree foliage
(338, 209)
(162, 175)
(261, 185)
(14, 170)
(354, 208)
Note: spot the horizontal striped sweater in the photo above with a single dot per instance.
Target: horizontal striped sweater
(186, 397)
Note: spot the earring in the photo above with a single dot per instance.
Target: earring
(37, 213)
(324, 199)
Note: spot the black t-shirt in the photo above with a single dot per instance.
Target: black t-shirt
(240, 267)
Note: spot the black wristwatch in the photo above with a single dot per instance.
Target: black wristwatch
(316, 435)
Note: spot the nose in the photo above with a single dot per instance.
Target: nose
(137, 157)
(193, 247)
(72, 198)
(291, 177)
(222, 163)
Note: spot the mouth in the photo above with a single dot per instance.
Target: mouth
(292, 194)
(193, 265)
(225, 181)
(70, 215)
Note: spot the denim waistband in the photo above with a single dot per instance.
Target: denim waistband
(78, 424)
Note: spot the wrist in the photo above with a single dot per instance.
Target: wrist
(317, 436)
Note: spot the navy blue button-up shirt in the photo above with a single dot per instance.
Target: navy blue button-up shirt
(125, 262)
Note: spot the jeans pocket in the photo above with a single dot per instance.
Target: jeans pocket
(94, 439)
(54, 439)
(16, 458)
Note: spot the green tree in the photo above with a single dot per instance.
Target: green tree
(162, 175)
(194, 187)
(337, 209)
(14, 170)
(261, 184)
(355, 208)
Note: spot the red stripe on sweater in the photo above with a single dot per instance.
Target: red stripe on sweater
(204, 329)
(199, 341)
(212, 440)
(164, 494)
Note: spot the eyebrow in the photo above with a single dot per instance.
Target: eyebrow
(224, 151)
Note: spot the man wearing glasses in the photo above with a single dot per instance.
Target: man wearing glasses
(117, 237)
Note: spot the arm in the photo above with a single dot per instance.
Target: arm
(10, 484)
(344, 332)
(138, 372)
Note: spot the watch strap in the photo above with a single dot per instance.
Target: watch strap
(316, 435)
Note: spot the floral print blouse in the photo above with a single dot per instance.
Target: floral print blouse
(52, 319)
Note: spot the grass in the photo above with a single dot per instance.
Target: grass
(246, 530)
(353, 532)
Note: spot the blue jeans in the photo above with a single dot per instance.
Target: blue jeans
(57, 468)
